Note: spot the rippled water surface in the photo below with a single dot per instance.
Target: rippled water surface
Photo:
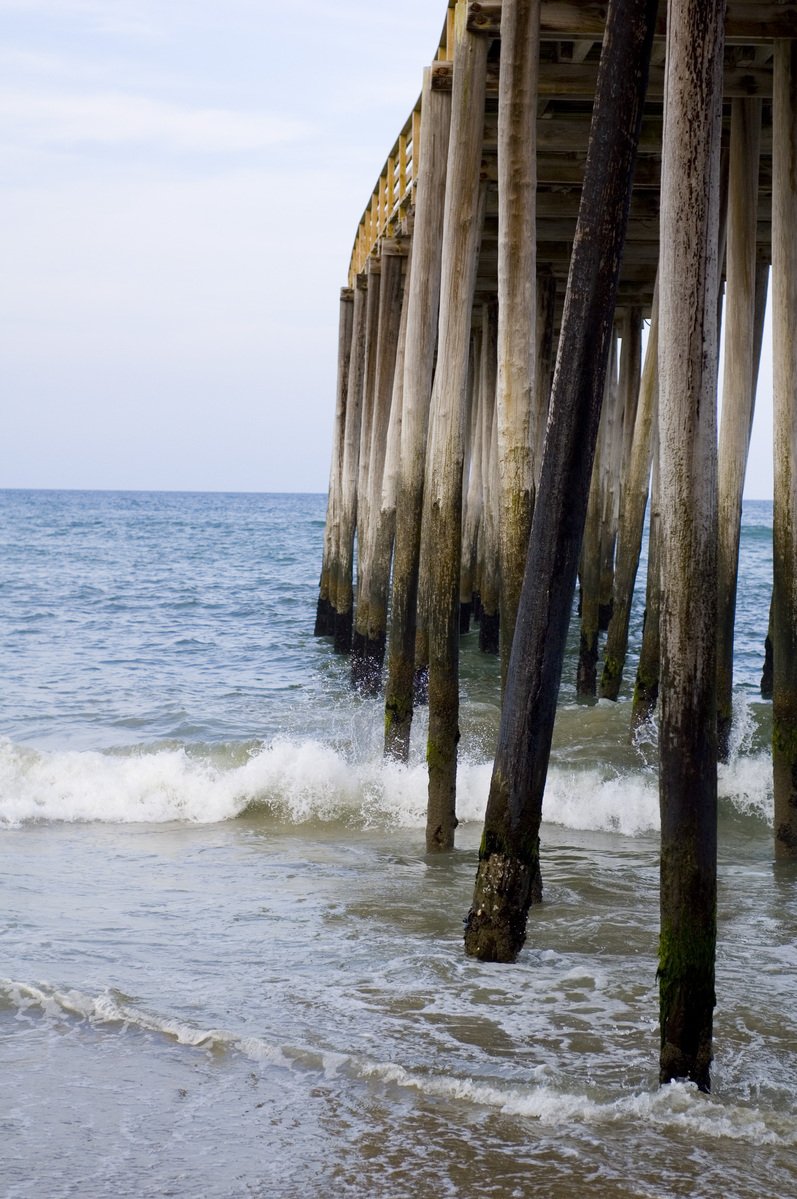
(228, 967)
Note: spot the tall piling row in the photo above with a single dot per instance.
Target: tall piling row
(486, 443)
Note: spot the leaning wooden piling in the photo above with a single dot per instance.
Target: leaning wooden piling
(462, 230)
(509, 854)
(687, 421)
(784, 343)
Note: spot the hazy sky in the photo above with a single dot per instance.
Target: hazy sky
(181, 184)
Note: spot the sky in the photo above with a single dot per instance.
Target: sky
(181, 185)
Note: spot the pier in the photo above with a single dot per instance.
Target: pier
(499, 431)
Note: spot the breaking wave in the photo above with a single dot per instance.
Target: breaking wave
(304, 780)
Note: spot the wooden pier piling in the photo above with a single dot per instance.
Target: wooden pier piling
(688, 273)
(517, 394)
(509, 855)
(422, 311)
(375, 527)
(343, 588)
(462, 229)
(325, 614)
(738, 393)
(784, 323)
(632, 516)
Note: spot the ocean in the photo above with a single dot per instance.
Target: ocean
(228, 967)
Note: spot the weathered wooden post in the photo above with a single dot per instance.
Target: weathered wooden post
(784, 344)
(738, 392)
(368, 644)
(325, 614)
(646, 686)
(386, 526)
(611, 469)
(590, 563)
(546, 355)
(489, 549)
(768, 668)
(688, 271)
(374, 276)
(422, 311)
(632, 516)
(518, 417)
(462, 228)
(343, 592)
(509, 853)
(630, 382)
(474, 492)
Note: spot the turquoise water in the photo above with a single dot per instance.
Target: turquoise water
(228, 967)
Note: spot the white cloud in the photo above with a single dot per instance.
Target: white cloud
(62, 119)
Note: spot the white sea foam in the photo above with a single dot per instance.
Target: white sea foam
(746, 783)
(588, 799)
(107, 1009)
(677, 1106)
(303, 780)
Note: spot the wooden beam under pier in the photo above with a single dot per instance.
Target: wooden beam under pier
(747, 22)
(576, 81)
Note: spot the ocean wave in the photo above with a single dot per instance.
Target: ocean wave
(304, 780)
(677, 1106)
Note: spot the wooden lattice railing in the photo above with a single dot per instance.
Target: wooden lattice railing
(392, 194)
